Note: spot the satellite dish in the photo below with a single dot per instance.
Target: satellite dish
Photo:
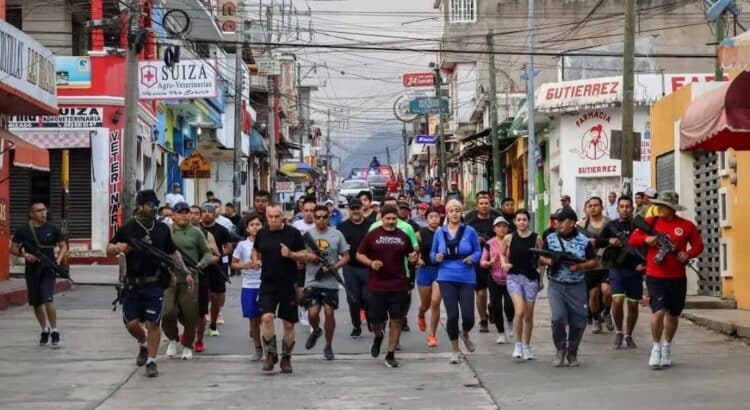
(401, 110)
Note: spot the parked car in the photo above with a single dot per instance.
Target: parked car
(352, 187)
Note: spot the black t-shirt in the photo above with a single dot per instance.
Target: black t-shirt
(141, 264)
(47, 235)
(276, 269)
(426, 237)
(369, 220)
(484, 227)
(236, 218)
(222, 237)
(354, 233)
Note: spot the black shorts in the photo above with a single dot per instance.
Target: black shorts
(321, 296)
(143, 303)
(483, 276)
(595, 278)
(281, 300)
(216, 281)
(667, 294)
(40, 287)
(203, 294)
(382, 306)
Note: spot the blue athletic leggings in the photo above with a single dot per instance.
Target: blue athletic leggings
(458, 295)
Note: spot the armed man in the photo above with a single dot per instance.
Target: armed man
(142, 239)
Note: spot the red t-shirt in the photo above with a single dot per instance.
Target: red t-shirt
(391, 248)
(682, 232)
(392, 186)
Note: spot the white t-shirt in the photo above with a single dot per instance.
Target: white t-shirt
(244, 253)
(225, 222)
(302, 226)
(173, 199)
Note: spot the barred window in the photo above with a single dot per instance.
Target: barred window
(462, 11)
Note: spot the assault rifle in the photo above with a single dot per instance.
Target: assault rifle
(120, 285)
(44, 259)
(558, 258)
(323, 256)
(624, 242)
(666, 246)
(165, 260)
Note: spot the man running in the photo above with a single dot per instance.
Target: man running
(666, 281)
(384, 250)
(321, 287)
(471, 215)
(354, 230)
(39, 235)
(216, 273)
(482, 222)
(308, 221)
(597, 280)
(508, 211)
(277, 248)
(368, 212)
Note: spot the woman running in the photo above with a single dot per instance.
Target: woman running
(429, 290)
(456, 249)
(524, 281)
(499, 296)
(242, 261)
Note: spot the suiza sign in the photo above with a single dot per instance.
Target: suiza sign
(189, 79)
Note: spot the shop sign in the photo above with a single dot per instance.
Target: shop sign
(599, 170)
(285, 187)
(594, 136)
(68, 117)
(73, 72)
(227, 16)
(189, 79)
(115, 179)
(195, 166)
(678, 81)
(419, 79)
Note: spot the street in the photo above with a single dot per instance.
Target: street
(95, 369)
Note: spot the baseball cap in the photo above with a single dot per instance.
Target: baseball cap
(500, 220)
(355, 203)
(208, 207)
(403, 205)
(566, 213)
(181, 207)
(651, 193)
(147, 195)
(329, 202)
(423, 205)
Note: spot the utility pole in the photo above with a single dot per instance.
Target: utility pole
(388, 155)
(271, 129)
(329, 174)
(720, 28)
(494, 137)
(628, 80)
(236, 182)
(531, 161)
(441, 135)
(403, 137)
(130, 139)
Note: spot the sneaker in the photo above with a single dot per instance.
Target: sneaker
(214, 332)
(455, 358)
(559, 360)
(483, 326)
(54, 337)
(421, 323)
(303, 317)
(313, 338)
(328, 353)
(518, 351)
(286, 364)
(362, 316)
(619, 338)
(142, 356)
(375, 346)
(199, 347)
(608, 322)
(509, 326)
(187, 353)
(501, 339)
(629, 342)
(573, 359)
(596, 327)
(432, 341)
(356, 333)
(151, 370)
(666, 356)
(172, 349)
(258, 354)
(405, 327)
(44, 339)
(220, 319)
(390, 361)
(655, 360)
(528, 354)
(469, 344)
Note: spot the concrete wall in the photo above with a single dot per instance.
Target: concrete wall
(736, 280)
(50, 23)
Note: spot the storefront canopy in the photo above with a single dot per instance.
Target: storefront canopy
(299, 168)
(719, 119)
(734, 53)
(25, 155)
(257, 146)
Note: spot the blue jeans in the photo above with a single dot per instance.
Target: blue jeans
(457, 295)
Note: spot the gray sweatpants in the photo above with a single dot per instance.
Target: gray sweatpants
(569, 305)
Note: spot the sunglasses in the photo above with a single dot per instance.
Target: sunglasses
(321, 217)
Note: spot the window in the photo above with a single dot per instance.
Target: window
(462, 11)
(725, 213)
(13, 16)
(723, 163)
(725, 257)
(665, 172)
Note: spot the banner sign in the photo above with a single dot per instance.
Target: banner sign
(73, 72)
(115, 179)
(428, 105)
(426, 139)
(68, 117)
(419, 80)
(190, 79)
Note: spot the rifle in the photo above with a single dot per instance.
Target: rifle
(666, 246)
(624, 242)
(561, 258)
(162, 257)
(44, 259)
(119, 286)
(310, 243)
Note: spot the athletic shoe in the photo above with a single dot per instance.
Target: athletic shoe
(421, 324)
(375, 346)
(405, 327)
(258, 355)
(573, 359)
(501, 340)
(528, 354)
(629, 342)
(432, 341)
(303, 317)
(286, 364)
(619, 337)
(172, 349)
(608, 322)
(328, 353)
(509, 326)
(518, 351)
(151, 370)
(356, 333)
(142, 356)
(559, 360)
(596, 327)
(44, 340)
(362, 316)
(655, 360)
(390, 360)
(468, 343)
(455, 358)
(187, 353)
(214, 332)
(483, 326)
(313, 338)
(199, 347)
(54, 337)
(220, 319)
(666, 356)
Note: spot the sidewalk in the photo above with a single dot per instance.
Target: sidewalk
(13, 291)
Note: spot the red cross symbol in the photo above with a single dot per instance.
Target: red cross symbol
(148, 76)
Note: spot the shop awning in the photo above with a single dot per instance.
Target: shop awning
(292, 174)
(257, 146)
(299, 168)
(54, 139)
(719, 119)
(25, 155)
(734, 53)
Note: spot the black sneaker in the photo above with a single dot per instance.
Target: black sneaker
(142, 356)
(405, 327)
(375, 347)
(55, 339)
(328, 353)
(390, 360)
(151, 370)
(44, 340)
(313, 338)
(483, 326)
(356, 332)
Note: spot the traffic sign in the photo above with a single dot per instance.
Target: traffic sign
(428, 105)
(419, 79)
(426, 139)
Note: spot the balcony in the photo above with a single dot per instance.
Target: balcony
(203, 25)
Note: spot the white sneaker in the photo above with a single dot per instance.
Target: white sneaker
(501, 340)
(510, 326)
(172, 349)
(518, 351)
(655, 360)
(528, 354)
(666, 356)
(455, 358)
(187, 353)
(303, 319)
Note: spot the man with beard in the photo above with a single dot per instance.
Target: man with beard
(354, 230)
(216, 273)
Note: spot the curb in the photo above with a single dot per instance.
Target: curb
(19, 297)
(727, 328)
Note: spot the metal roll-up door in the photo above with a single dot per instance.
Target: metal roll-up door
(20, 196)
(79, 197)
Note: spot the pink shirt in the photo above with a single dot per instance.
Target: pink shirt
(499, 275)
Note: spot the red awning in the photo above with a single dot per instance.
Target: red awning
(719, 119)
(25, 155)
